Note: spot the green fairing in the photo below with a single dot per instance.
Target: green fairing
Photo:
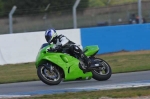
(91, 50)
(69, 64)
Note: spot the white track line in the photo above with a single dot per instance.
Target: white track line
(115, 86)
(13, 96)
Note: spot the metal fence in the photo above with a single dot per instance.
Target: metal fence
(90, 17)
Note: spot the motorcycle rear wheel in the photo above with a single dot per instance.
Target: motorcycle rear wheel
(49, 77)
(102, 73)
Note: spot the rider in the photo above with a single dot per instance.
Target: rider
(61, 41)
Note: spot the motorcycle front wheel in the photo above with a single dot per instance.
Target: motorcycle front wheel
(103, 72)
(49, 74)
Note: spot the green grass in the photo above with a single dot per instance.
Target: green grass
(128, 62)
(117, 93)
(119, 62)
(18, 73)
(100, 3)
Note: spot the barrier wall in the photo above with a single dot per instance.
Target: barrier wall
(19, 48)
(116, 38)
(23, 47)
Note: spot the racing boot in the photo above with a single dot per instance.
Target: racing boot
(92, 64)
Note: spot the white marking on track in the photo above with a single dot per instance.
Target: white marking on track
(13, 96)
(115, 86)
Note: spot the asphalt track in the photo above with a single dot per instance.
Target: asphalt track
(39, 88)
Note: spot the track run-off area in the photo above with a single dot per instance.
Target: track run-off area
(120, 80)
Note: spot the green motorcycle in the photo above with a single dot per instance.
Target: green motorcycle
(54, 67)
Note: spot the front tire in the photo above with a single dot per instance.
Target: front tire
(51, 75)
(102, 73)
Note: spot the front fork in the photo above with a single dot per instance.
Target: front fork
(49, 67)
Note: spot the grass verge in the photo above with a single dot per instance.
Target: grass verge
(117, 93)
(18, 73)
(120, 62)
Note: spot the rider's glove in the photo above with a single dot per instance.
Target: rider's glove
(51, 50)
(58, 48)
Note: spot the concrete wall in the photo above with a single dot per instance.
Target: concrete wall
(23, 47)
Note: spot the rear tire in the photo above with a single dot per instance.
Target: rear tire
(49, 77)
(102, 73)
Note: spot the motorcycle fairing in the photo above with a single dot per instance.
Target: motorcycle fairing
(69, 64)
